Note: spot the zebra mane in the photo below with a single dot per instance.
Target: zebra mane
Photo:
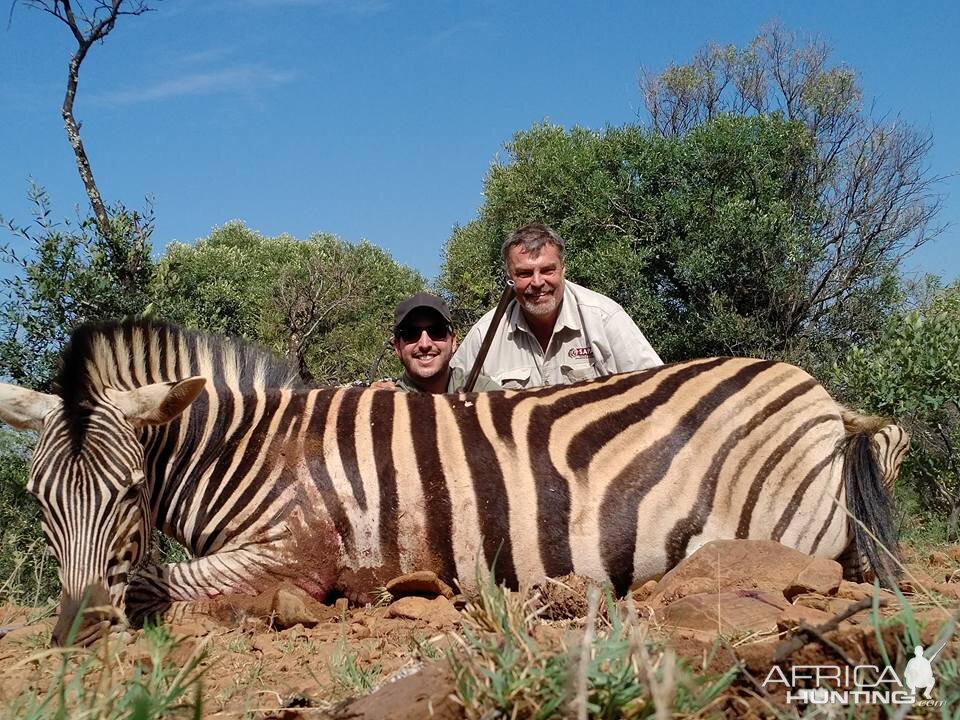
(125, 354)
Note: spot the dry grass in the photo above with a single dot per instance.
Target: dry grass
(609, 668)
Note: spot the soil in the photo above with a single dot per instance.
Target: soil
(251, 668)
(367, 662)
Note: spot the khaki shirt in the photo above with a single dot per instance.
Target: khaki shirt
(593, 337)
(457, 379)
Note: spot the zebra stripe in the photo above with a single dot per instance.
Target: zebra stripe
(340, 489)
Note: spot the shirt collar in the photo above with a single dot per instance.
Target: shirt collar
(406, 383)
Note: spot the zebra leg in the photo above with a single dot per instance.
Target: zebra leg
(246, 571)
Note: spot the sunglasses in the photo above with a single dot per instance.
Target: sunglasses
(410, 334)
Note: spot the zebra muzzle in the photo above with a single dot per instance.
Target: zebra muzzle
(85, 619)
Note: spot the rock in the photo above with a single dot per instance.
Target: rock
(342, 605)
(731, 565)
(360, 631)
(950, 590)
(191, 629)
(738, 612)
(427, 693)
(821, 575)
(24, 633)
(954, 553)
(297, 631)
(797, 614)
(644, 591)
(938, 559)
(854, 591)
(916, 582)
(421, 582)
(289, 608)
(264, 646)
(437, 611)
(831, 606)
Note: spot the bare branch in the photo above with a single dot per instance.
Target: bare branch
(89, 23)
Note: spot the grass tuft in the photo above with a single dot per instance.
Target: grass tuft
(611, 669)
(90, 683)
(349, 676)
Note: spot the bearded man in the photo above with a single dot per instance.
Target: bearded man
(554, 331)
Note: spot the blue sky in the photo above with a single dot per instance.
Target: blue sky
(378, 119)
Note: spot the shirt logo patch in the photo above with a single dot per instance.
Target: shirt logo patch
(581, 352)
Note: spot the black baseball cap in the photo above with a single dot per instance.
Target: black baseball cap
(421, 300)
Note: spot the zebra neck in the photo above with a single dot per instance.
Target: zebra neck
(207, 469)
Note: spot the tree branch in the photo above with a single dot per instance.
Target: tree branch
(86, 29)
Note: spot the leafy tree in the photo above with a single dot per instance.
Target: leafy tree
(762, 211)
(696, 236)
(69, 275)
(872, 197)
(912, 372)
(323, 302)
(89, 23)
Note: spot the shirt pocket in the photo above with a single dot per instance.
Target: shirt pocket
(515, 379)
(576, 371)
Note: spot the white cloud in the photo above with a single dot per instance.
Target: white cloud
(242, 79)
(201, 57)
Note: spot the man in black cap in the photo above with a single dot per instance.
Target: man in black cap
(424, 340)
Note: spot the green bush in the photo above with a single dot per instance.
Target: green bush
(28, 575)
(324, 303)
(704, 239)
(911, 372)
(69, 275)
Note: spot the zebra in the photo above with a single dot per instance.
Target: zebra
(215, 443)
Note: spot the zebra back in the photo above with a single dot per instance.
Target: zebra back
(135, 352)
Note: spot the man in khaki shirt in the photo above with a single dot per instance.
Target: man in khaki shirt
(554, 331)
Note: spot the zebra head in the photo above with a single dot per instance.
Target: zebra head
(93, 492)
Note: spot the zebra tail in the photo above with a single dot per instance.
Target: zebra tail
(875, 535)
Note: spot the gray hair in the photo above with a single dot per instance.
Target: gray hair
(533, 236)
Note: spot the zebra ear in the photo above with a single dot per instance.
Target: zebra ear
(24, 408)
(159, 403)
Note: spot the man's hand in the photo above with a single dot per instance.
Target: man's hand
(386, 384)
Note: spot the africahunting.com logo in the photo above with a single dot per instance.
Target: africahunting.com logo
(859, 684)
